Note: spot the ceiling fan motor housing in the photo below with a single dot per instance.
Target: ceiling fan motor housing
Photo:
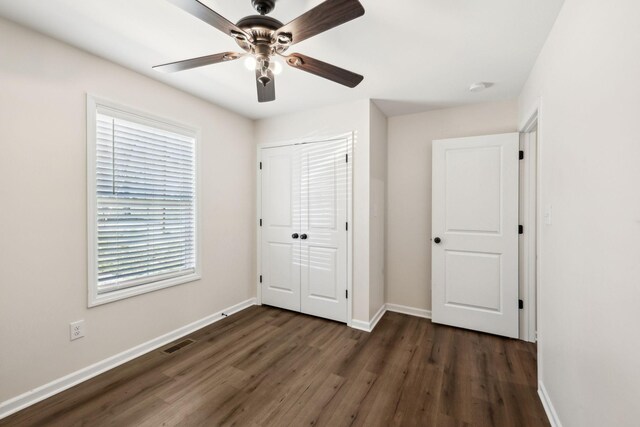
(262, 31)
(263, 7)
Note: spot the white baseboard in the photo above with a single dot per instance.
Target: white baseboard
(368, 326)
(411, 311)
(376, 318)
(548, 406)
(17, 403)
(361, 325)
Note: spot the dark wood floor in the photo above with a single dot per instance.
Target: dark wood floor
(265, 366)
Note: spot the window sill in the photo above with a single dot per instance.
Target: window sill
(99, 299)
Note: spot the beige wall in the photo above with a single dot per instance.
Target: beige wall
(587, 80)
(43, 239)
(327, 122)
(377, 191)
(408, 271)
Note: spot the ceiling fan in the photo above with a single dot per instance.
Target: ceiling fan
(264, 37)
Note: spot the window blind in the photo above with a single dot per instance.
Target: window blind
(145, 203)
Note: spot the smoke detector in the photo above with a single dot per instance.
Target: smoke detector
(479, 86)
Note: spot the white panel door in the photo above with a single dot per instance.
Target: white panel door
(475, 233)
(323, 234)
(280, 251)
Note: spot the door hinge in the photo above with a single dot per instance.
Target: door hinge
(346, 158)
(346, 226)
(521, 155)
(260, 222)
(346, 293)
(261, 278)
(520, 304)
(260, 165)
(521, 229)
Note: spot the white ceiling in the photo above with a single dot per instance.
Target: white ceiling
(415, 55)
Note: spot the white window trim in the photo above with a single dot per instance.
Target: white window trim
(93, 104)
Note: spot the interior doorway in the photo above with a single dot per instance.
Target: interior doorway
(462, 292)
(474, 259)
(529, 216)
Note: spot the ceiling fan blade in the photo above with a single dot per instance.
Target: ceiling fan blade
(322, 69)
(200, 11)
(266, 93)
(198, 62)
(327, 15)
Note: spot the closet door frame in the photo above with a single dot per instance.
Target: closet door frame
(348, 137)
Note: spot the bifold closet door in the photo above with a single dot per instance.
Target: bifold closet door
(323, 219)
(280, 251)
(304, 235)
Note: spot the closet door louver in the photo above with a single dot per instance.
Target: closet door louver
(145, 204)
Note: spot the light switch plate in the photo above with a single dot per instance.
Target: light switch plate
(547, 215)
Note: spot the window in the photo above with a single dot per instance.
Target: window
(142, 203)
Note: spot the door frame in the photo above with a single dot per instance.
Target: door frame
(348, 136)
(508, 322)
(533, 261)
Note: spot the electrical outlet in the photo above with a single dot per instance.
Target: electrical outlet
(76, 330)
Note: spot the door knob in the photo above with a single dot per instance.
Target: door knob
(437, 240)
(303, 236)
(294, 236)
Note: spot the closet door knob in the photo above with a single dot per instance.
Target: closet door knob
(437, 240)
(303, 236)
(294, 236)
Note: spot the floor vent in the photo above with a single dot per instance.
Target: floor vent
(182, 344)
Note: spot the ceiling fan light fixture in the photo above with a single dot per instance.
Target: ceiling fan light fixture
(250, 63)
(276, 66)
